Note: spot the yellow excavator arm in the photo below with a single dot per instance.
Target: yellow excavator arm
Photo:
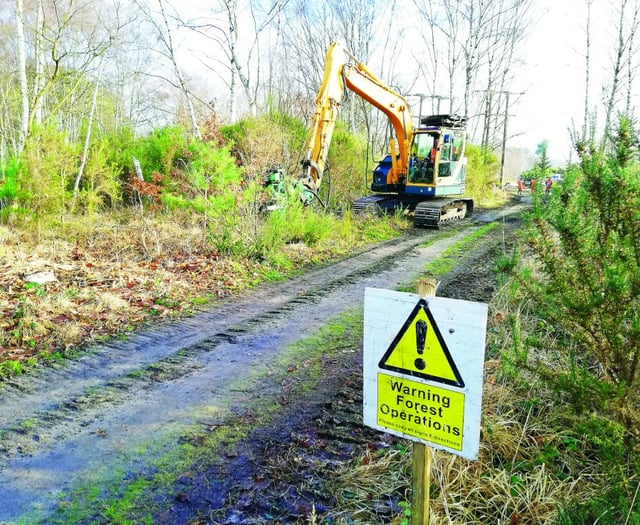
(342, 70)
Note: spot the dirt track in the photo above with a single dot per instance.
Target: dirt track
(127, 402)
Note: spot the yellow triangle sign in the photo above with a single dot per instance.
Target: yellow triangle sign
(420, 351)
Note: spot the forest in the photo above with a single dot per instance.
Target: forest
(134, 141)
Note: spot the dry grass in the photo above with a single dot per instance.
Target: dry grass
(495, 489)
(107, 274)
(111, 272)
(527, 467)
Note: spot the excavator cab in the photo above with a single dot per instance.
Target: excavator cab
(424, 152)
(437, 166)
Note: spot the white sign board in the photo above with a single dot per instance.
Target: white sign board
(423, 363)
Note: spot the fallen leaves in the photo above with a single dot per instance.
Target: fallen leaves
(61, 297)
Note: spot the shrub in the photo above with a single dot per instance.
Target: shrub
(585, 286)
(99, 187)
(47, 172)
(264, 142)
(9, 184)
(162, 150)
(482, 172)
(348, 172)
(578, 322)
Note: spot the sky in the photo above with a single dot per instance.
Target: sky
(553, 76)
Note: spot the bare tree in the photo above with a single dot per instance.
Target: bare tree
(165, 33)
(69, 39)
(587, 72)
(22, 75)
(477, 42)
(357, 24)
(622, 59)
(631, 63)
(236, 28)
(39, 60)
(87, 141)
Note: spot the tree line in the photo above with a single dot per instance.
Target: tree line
(89, 68)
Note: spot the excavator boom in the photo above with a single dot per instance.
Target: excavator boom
(342, 70)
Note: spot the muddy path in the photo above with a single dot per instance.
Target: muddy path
(111, 411)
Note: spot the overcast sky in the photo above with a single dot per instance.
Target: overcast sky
(554, 76)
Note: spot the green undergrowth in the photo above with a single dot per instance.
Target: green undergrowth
(572, 330)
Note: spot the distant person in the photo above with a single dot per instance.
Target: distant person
(533, 185)
(520, 185)
(547, 185)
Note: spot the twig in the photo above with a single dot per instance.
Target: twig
(633, 502)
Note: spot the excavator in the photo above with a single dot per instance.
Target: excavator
(423, 173)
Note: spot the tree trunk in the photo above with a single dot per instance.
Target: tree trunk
(587, 78)
(179, 77)
(87, 140)
(616, 77)
(38, 82)
(22, 76)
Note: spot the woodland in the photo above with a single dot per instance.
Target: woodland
(134, 141)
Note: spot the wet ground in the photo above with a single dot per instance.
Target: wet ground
(114, 410)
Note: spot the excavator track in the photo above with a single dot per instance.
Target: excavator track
(432, 214)
(429, 214)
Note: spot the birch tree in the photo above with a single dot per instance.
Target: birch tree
(22, 76)
(68, 40)
(358, 24)
(617, 93)
(165, 34)
(587, 73)
(237, 28)
(478, 42)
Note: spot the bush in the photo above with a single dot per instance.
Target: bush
(346, 179)
(160, 151)
(582, 337)
(47, 172)
(100, 186)
(9, 184)
(586, 240)
(273, 140)
(264, 142)
(482, 172)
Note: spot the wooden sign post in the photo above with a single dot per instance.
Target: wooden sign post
(423, 361)
(421, 459)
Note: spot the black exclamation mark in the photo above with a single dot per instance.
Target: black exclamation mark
(421, 338)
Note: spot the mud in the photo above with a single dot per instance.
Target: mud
(112, 411)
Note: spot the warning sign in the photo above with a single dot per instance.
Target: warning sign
(423, 362)
(419, 350)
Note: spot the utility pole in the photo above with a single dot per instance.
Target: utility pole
(507, 94)
(504, 134)
(422, 96)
